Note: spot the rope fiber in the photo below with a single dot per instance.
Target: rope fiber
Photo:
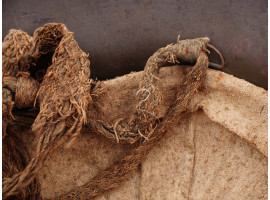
(64, 98)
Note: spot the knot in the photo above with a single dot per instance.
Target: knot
(26, 92)
(23, 88)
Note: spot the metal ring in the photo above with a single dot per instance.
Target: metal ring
(215, 65)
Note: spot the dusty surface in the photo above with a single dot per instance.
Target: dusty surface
(219, 151)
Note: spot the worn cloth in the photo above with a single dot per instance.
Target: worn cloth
(218, 151)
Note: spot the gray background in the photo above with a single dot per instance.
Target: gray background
(121, 34)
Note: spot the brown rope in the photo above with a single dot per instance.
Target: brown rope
(115, 174)
(144, 120)
(24, 89)
(15, 159)
(64, 97)
(18, 54)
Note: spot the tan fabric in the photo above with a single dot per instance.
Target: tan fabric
(219, 151)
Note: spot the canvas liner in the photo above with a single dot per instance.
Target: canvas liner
(67, 98)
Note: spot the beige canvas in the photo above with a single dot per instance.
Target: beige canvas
(218, 151)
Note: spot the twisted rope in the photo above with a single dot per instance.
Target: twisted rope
(144, 120)
(118, 172)
(64, 97)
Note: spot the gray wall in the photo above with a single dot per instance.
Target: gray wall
(121, 34)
